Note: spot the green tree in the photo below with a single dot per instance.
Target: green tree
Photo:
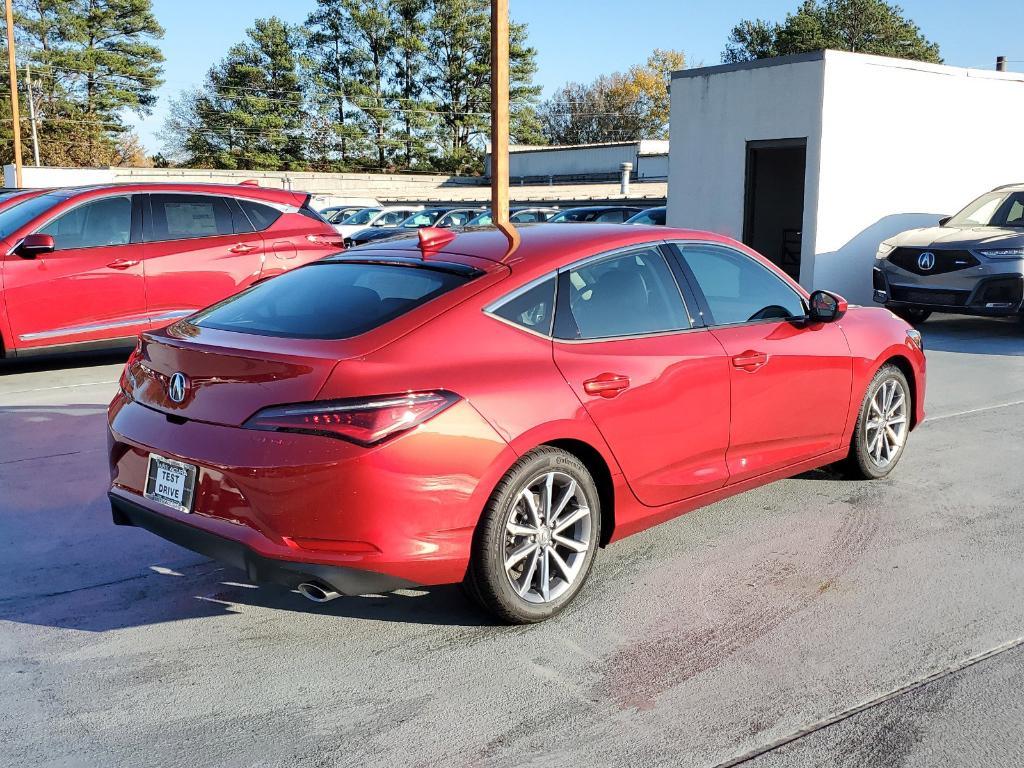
(94, 61)
(623, 106)
(250, 113)
(410, 62)
(864, 26)
(458, 54)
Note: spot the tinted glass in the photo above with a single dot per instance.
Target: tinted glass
(92, 225)
(737, 288)
(261, 216)
(18, 215)
(328, 300)
(183, 217)
(454, 219)
(390, 219)
(362, 217)
(239, 221)
(423, 219)
(482, 220)
(626, 295)
(614, 217)
(654, 216)
(533, 309)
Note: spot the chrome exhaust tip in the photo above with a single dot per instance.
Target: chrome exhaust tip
(318, 593)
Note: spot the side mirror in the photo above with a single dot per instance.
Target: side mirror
(944, 220)
(826, 307)
(34, 245)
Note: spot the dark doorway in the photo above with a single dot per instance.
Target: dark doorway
(774, 212)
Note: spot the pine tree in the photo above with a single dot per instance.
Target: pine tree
(250, 113)
(93, 60)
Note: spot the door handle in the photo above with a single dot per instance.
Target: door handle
(750, 360)
(242, 248)
(123, 263)
(606, 385)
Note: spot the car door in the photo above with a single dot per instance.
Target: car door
(199, 249)
(790, 380)
(89, 288)
(654, 382)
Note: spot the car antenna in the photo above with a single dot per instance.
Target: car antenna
(433, 239)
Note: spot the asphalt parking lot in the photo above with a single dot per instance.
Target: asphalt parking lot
(812, 622)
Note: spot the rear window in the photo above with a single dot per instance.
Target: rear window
(261, 216)
(330, 300)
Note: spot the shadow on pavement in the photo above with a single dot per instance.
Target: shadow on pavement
(65, 360)
(973, 335)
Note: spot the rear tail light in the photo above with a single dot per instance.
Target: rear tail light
(364, 421)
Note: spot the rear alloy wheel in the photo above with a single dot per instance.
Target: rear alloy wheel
(882, 425)
(914, 316)
(537, 538)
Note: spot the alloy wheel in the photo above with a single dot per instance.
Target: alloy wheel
(886, 425)
(547, 537)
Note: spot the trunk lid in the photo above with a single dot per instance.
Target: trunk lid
(228, 376)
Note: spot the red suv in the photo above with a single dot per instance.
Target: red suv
(97, 264)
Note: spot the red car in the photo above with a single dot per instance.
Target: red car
(97, 264)
(438, 411)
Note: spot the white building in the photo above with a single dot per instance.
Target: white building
(815, 159)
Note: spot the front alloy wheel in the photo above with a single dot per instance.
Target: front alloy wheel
(537, 538)
(882, 425)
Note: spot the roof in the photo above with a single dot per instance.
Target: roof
(542, 247)
(239, 190)
(849, 56)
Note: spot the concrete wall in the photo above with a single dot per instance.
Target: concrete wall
(715, 112)
(904, 144)
(358, 188)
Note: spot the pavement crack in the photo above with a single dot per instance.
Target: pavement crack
(871, 703)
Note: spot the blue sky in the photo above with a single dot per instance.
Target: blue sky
(580, 39)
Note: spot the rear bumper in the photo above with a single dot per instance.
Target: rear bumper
(346, 581)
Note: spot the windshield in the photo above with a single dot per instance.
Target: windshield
(423, 218)
(482, 220)
(996, 209)
(576, 214)
(364, 216)
(18, 215)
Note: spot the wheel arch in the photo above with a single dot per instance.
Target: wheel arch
(601, 472)
(907, 369)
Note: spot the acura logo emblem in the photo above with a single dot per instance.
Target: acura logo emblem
(926, 261)
(177, 387)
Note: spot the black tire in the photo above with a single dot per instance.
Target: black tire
(487, 581)
(860, 463)
(912, 315)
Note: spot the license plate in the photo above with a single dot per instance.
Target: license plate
(171, 482)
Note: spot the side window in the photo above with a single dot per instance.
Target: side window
(737, 288)
(93, 225)
(261, 216)
(390, 219)
(614, 217)
(533, 309)
(526, 217)
(184, 217)
(626, 295)
(239, 221)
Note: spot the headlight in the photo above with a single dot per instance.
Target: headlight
(884, 250)
(915, 337)
(1004, 253)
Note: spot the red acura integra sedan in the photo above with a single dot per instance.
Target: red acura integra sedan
(97, 264)
(438, 410)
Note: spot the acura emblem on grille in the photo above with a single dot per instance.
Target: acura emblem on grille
(177, 387)
(926, 261)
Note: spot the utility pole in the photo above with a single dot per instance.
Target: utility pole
(499, 113)
(15, 113)
(32, 112)
(1000, 63)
